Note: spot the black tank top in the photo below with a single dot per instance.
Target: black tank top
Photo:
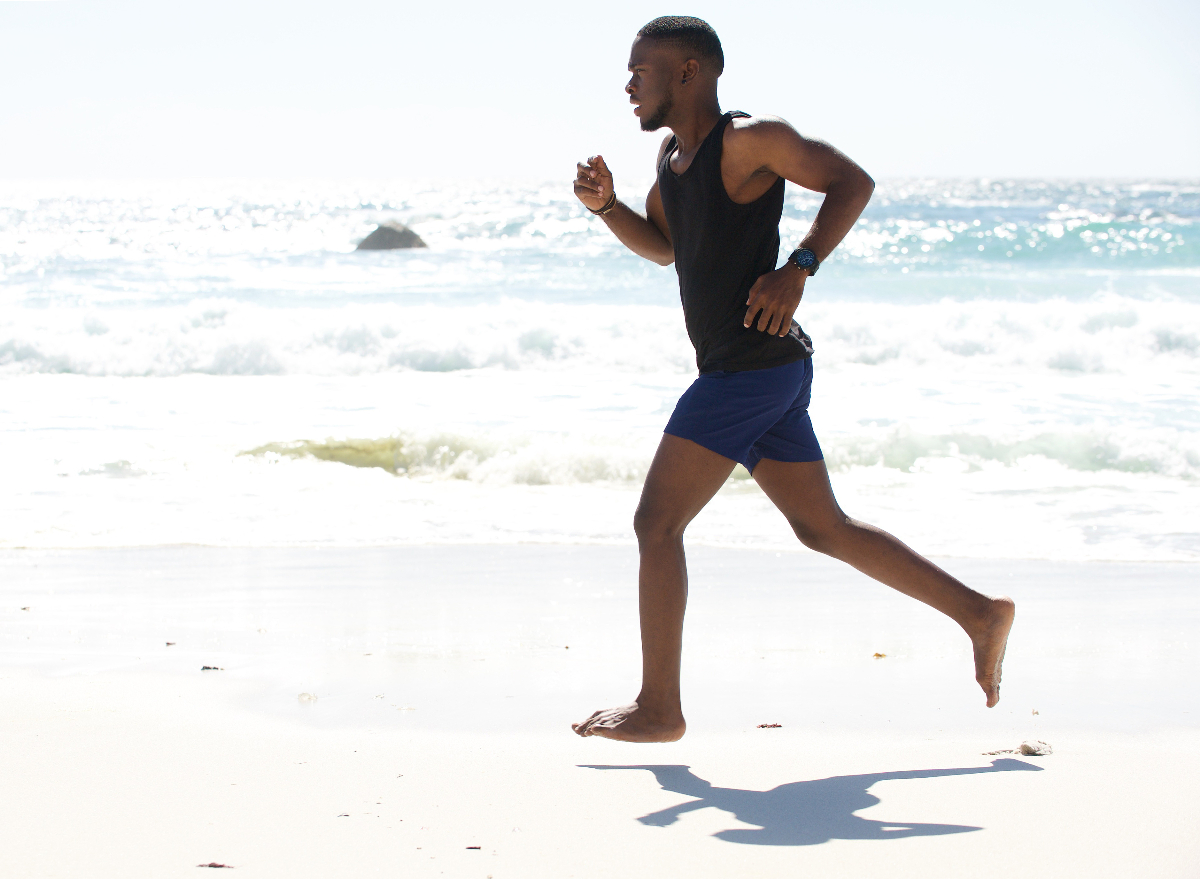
(721, 249)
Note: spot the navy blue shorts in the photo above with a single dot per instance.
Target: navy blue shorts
(751, 415)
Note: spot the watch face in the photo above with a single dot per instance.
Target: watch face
(805, 258)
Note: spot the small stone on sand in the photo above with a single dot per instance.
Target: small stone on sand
(880, 655)
(307, 698)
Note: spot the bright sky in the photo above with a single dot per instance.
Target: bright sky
(380, 88)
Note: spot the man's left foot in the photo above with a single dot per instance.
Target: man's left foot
(989, 642)
(629, 723)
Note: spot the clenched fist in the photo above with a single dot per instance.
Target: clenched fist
(593, 183)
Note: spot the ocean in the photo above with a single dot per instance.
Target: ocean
(1003, 369)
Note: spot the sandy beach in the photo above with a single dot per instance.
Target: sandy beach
(311, 554)
(445, 679)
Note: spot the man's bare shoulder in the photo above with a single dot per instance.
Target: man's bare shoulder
(752, 145)
(756, 132)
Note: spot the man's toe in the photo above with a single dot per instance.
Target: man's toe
(585, 728)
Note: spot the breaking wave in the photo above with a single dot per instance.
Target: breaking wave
(224, 337)
(451, 456)
(569, 460)
(1165, 452)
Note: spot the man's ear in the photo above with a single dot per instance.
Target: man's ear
(691, 69)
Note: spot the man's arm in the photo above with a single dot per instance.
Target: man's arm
(770, 145)
(646, 236)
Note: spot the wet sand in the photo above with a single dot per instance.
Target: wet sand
(446, 678)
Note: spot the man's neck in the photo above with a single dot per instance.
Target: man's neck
(694, 127)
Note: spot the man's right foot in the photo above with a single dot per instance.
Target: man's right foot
(631, 724)
(989, 642)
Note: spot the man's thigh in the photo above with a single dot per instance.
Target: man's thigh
(683, 477)
(800, 490)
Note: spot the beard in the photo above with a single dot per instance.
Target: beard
(658, 118)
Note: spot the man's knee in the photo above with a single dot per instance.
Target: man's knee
(654, 524)
(820, 536)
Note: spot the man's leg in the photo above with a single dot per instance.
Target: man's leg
(803, 494)
(683, 478)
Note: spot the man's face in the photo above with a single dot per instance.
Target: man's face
(652, 68)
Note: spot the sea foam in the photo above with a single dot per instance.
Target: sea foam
(1002, 367)
(227, 337)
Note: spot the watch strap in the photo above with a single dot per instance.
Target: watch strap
(811, 267)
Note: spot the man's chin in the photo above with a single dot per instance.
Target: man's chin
(653, 123)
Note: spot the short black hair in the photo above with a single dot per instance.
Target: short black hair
(687, 32)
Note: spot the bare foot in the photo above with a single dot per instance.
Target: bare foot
(989, 641)
(629, 723)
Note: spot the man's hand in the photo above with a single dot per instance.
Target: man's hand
(593, 183)
(647, 234)
(776, 295)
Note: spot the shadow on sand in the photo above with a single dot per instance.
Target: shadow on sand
(804, 812)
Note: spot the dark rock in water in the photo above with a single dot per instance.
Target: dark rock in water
(391, 236)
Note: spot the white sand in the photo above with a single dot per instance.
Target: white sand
(121, 758)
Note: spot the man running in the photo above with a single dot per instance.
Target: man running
(714, 211)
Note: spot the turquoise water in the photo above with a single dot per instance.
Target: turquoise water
(918, 240)
(1032, 346)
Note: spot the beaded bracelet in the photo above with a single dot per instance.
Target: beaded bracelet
(608, 206)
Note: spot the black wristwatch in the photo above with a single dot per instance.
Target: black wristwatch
(803, 258)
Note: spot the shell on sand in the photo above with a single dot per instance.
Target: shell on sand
(1028, 749)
